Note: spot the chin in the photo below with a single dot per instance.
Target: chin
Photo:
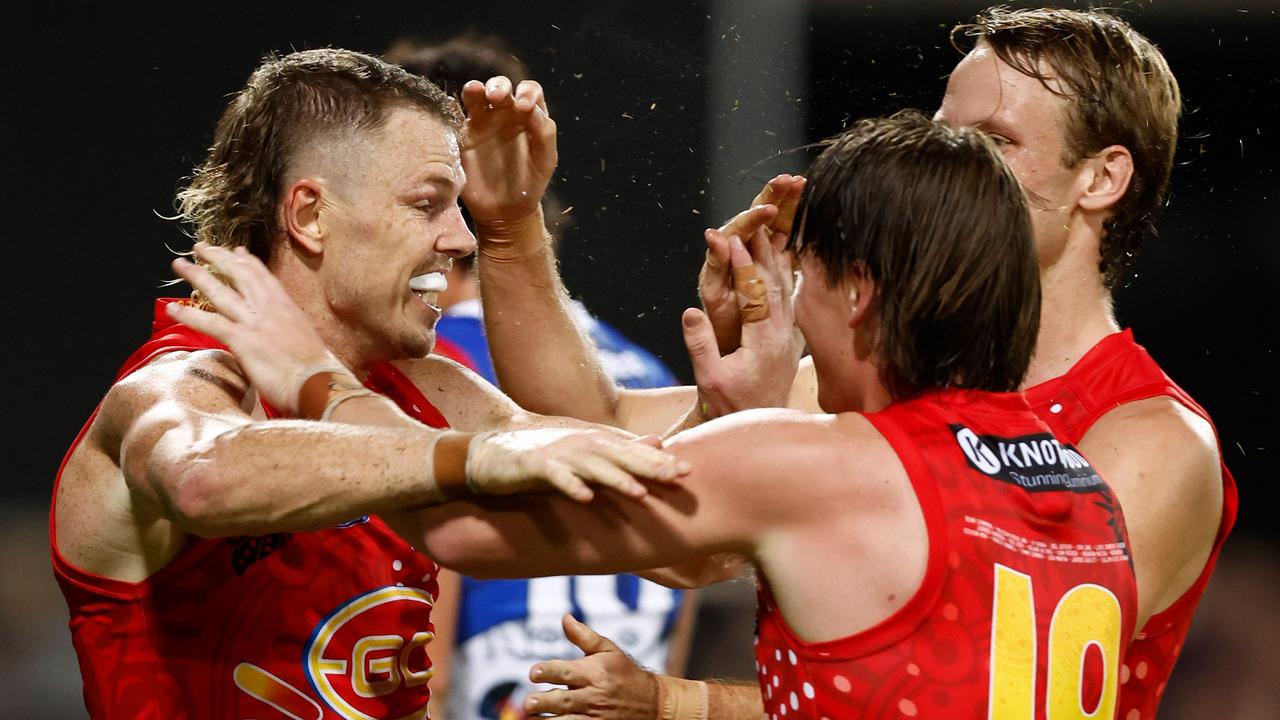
(414, 345)
(421, 345)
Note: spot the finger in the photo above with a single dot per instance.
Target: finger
(774, 190)
(642, 461)
(237, 266)
(700, 340)
(560, 702)
(202, 321)
(473, 98)
(543, 129)
(746, 222)
(498, 92)
(739, 257)
(221, 295)
(778, 240)
(753, 293)
(562, 478)
(587, 640)
(786, 270)
(762, 253)
(652, 441)
(788, 204)
(717, 249)
(529, 95)
(560, 672)
(250, 278)
(601, 469)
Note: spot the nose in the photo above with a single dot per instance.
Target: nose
(456, 240)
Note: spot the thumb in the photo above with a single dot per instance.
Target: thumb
(588, 640)
(700, 339)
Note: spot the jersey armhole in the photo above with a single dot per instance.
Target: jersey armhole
(902, 622)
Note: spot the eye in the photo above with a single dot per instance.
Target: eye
(1001, 141)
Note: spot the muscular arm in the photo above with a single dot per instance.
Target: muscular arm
(1162, 461)
(541, 356)
(736, 494)
(189, 450)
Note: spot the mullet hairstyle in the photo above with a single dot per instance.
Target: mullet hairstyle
(289, 102)
(938, 221)
(1119, 90)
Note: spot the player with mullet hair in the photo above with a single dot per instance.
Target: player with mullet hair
(222, 561)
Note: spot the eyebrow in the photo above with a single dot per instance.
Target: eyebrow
(994, 127)
(438, 179)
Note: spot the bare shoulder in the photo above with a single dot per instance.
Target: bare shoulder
(835, 458)
(1163, 462)
(466, 400)
(1161, 434)
(102, 522)
(205, 378)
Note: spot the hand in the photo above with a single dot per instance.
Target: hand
(606, 683)
(508, 149)
(759, 373)
(774, 208)
(501, 463)
(271, 338)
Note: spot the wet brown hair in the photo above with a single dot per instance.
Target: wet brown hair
(934, 216)
(287, 103)
(1120, 91)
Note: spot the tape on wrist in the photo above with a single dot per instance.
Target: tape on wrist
(449, 464)
(680, 699)
(321, 393)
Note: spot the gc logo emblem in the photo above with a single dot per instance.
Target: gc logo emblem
(362, 671)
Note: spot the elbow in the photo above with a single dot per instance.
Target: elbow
(463, 545)
(196, 501)
(205, 498)
(446, 544)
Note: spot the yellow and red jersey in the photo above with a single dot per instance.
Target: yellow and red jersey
(1116, 371)
(1028, 598)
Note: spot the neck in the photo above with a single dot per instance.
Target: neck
(301, 283)
(1075, 313)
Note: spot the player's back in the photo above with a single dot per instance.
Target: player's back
(1028, 596)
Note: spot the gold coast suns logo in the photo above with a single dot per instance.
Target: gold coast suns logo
(366, 660)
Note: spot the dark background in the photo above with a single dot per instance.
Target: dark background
(109, 108)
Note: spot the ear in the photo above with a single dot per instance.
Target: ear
(862, 295)
(1109, 175)
(303, 202)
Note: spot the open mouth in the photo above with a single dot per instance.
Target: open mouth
(428, 282)
(428, 286)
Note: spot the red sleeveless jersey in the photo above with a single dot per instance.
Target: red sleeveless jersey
(1115, 371)
(1028, 596)
(309, 625)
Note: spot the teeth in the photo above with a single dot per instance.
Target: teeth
(430, 282)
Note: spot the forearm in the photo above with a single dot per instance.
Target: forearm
(289, 475)
(734, 701)
(542, 359)
(681, 699)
